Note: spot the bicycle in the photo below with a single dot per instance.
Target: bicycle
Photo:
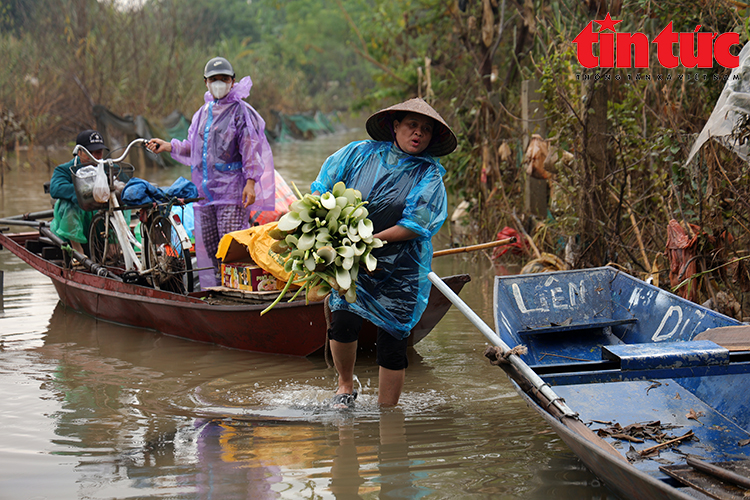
(164, 260)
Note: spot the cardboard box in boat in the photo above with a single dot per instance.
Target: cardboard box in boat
(247, 276)
(239, 271)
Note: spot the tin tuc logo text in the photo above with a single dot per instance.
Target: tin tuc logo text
(628, 50)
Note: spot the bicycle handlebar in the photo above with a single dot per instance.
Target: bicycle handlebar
(103, 161)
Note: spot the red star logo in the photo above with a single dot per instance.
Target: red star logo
(607, 24)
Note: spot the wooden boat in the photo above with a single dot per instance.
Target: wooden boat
(216, 317)
(645, 387)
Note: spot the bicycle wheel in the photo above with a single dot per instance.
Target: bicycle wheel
(104, 246)
(169, 264)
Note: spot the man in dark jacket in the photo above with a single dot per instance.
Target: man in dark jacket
(71, 222)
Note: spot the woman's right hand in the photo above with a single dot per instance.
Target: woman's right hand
(159, 146)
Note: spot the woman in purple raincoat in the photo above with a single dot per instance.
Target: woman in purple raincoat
(230, 159)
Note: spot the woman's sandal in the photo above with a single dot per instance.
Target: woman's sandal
(343, 401)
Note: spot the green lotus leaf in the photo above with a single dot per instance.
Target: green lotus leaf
(288, 266)
(342, 201)
(353, 235)
(359, 248)
(370, 261)
(338, 189)
(289, 221)
(280, 247)
(351, 195)
(333, 214)
(291, 240)
(328, 254)
(299, 205)
(277, 233)
(346, 212)
(306, 214)
(310, 262)
(306, 241)
(345, 251)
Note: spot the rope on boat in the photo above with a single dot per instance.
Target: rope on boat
(497, 356)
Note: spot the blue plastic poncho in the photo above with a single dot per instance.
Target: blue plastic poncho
(401, 190)
(226, 145)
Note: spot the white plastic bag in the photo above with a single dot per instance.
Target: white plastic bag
(101, 185)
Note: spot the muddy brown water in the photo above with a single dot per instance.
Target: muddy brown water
(94, 410)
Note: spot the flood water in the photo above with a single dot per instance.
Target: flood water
(93, 410)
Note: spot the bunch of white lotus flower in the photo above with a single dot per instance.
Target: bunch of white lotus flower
(323, 240)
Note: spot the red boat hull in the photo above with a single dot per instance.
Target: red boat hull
(295, 329)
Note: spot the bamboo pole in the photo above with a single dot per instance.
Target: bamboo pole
(472, 248)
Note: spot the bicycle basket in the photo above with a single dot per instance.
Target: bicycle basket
(83, 183)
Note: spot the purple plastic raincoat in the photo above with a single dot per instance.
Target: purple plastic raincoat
(226, 145)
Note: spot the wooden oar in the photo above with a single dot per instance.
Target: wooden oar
(24, 222)
(471, 248)
(32, 215)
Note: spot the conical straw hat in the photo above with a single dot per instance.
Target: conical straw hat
(380, 126)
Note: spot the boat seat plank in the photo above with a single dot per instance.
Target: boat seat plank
(709, 484)
(588, 324)
(663, 355)
(733, 338)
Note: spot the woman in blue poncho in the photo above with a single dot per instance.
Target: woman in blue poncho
(402, 181)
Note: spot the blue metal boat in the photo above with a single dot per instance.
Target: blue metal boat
(633, 378)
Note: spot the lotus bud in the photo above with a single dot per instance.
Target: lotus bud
(312, 200)
(348, 263)
(351, 295)
(364, 228)
(328, 201)
(343, 278)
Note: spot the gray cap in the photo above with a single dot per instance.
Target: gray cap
(218, 66)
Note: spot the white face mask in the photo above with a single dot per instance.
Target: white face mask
(218, 89)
